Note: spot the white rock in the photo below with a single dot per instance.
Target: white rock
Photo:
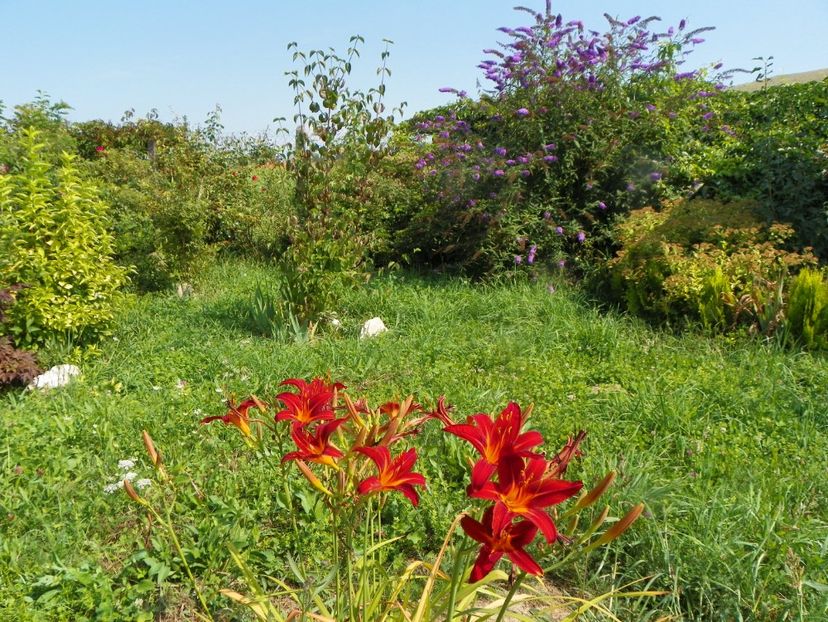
(336, 323)
(57, 376)
(372, 327)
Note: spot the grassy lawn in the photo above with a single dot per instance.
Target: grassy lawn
(724, 440)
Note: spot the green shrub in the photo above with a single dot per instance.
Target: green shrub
(342, 134)
(703, 260)
(54, 238)
(807, 310)
(778, 156)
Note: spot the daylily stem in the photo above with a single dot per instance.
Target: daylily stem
(509, 596)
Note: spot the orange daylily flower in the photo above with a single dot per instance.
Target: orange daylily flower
(393, 475)
(313, 402)
(237, 416)
(495, 440)
(524, 489)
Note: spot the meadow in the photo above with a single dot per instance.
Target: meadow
(721, 439)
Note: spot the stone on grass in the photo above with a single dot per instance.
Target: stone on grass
(57, 376)
(372, 328)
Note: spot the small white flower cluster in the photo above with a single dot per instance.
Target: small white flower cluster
(125, 466)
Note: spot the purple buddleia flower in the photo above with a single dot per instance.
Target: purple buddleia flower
(655, 176)
(501, 151)
(547, 215)
(562, 264)
(682, 24)
(472, 203)
(696, 40)
(530, 258)
(476, 176)
(581, 237)
(523, 159)
(439, 118)
(499, 172)
(525, 173)
(687, 75)
(602, 206)
(510, 162)
(522, 112)
(559, 230)
(518, 260)
(550, 147)
(650, 108)
(420, 164)
(630, 187)
(550, 159)
(707, 116)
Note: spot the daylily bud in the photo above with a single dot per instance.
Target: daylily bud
(593, 495)
(155, 457)
(132, 494)
(621, 526)
(314, 481)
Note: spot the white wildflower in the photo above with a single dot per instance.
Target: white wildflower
(126, 465)
(110, 488)
(143, 483)
(131, 475)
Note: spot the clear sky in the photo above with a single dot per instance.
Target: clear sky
(184, 56)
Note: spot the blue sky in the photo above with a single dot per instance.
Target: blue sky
(184, 57)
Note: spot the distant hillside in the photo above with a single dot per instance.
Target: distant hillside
(790, 78)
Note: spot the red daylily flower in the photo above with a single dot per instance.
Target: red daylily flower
(557, 465)
(237, 416)
(316, 446)
(499, 535)
(312, 403)
(441, 412)
(396, 475)
(524, 488)
(495, 440)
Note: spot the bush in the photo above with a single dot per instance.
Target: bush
(703, 260)
(180, 195)
(342, 135)
(54, 238)
(807, 311)
(577, 127)
(778, 156)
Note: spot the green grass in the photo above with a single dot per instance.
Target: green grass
(724, 440)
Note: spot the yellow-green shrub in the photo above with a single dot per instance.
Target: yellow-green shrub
(807, 310)
(703, 260)
(53, 238)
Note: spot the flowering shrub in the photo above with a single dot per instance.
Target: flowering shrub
(354, 455)
(577, 127)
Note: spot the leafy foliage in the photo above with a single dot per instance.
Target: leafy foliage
(16, 366)
(778, 156)
(807, 311)
(54, 238)
(577, 127)
(701, 259)
(342, 133)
